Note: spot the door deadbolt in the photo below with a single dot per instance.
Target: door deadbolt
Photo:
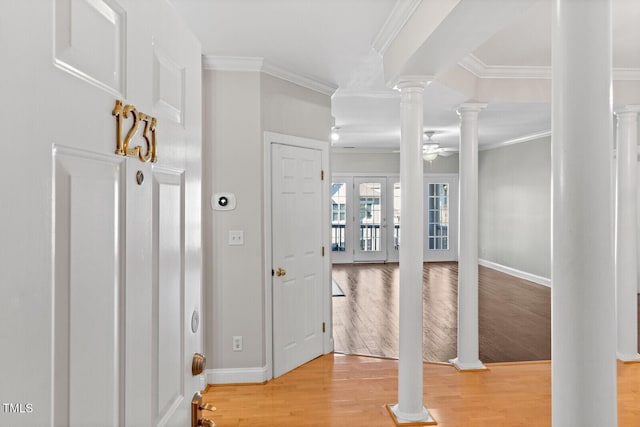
(198, 364)
(281, 272)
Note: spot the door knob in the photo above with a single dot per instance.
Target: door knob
(196, 412)
(281, 272)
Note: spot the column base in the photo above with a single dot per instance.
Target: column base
(424, 419)
(468, 367)
(628, 358)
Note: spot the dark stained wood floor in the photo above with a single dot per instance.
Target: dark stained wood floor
(514, 314)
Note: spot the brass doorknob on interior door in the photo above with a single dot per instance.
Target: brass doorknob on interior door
(281, 272)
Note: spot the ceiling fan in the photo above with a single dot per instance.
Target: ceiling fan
(430, 148)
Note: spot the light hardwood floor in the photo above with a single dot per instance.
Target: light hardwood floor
(342, 390)
(514, 314)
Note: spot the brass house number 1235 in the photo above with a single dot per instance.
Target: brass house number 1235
(149, 134)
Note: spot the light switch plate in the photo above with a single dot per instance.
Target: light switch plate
(236, 237)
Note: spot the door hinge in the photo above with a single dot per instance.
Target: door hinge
(324, 327)
(323, 251)
(321, 175)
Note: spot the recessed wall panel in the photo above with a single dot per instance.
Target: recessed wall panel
(168, 86)
(89, 42)
(168, 314)
(87, 198)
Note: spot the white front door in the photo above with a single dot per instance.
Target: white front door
(297, 228)
(101, 253)
(370, 219)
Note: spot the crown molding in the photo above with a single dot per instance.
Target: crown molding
(305, 81)
(260, 65)
(519, 140)
(232, 63)
(374, 94)
(483, 71)
(400, 14)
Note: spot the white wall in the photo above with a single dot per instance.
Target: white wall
(238, 108)
(515, 206)
(293, 110)
(381, 163)
(233, 163)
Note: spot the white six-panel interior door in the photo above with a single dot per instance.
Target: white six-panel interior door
(298, 279)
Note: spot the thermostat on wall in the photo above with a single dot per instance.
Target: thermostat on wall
(223, 201)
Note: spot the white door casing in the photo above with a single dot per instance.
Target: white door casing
(81, 275)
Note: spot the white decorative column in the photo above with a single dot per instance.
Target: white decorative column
(626, 255)
(410, 409)
(582, 292)
(468, 348)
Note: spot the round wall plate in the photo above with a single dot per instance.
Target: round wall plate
(195, 321)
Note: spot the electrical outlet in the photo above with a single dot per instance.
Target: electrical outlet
(236, 237)
(237, 343)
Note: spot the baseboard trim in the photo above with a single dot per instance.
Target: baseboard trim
(237, 375)
(516, 273)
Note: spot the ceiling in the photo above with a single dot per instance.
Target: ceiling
(341, 45)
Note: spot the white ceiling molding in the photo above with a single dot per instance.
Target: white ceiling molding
(234, 63)
(304, 81)
(481, 70)
(365, 150)
(374, 94)
(519, 140)
(400, 14)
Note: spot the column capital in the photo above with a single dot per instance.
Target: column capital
(411, 82)
(627, 111)
(471, 107)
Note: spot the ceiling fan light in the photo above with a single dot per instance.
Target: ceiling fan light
(429, 155)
